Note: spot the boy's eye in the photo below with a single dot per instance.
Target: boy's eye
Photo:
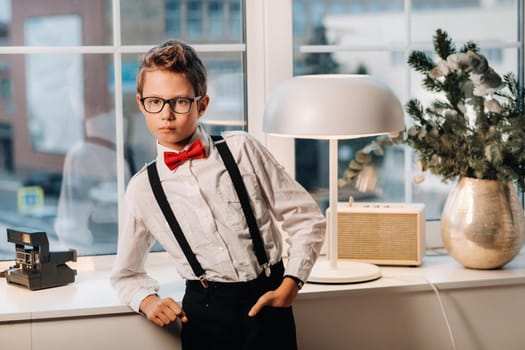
(154, 101)
(182, 102)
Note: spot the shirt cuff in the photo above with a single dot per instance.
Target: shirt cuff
(138, 298)
(299, 268)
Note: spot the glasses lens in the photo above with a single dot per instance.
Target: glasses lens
(180, 105)
(153, 104)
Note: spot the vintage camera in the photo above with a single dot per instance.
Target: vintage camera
(35, 266)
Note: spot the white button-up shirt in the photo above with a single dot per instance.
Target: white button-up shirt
(203, 199)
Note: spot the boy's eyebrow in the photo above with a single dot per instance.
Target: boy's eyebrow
(169, 98)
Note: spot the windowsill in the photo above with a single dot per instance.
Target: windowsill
(91, 294)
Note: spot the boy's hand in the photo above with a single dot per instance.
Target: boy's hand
(162, 311)
(284, 296)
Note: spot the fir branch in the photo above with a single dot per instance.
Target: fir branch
(420, 61)
(452, 85)
(443, 44)
(414, 108)
(468, 129)
(516, 95)
(439, 105)
(469, 46)
(432, 84)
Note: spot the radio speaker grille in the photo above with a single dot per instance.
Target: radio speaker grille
(381, 233)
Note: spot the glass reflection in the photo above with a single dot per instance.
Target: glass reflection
(87, 212)
(57, 151)
(47, 20)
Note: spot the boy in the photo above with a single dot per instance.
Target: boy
(232, 299)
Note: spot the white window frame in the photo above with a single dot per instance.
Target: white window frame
(268, 47)
(269, 60)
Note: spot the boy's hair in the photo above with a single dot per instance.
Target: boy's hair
(177, 57)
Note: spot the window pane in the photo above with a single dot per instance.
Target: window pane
(57, 119)
(216, 23)
(54, 22)
(348, 22)
(226, 88)
(352, 26)
(54, 90)
(173, 15)
(196, 21)
(57, 147)
(465, 20)
(87, 215)
(226, 108)
(236, 21)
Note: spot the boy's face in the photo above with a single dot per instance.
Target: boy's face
(171, 129)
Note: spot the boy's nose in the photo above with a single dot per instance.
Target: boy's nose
(166, 113)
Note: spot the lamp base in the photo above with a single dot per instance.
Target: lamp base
(345, 272)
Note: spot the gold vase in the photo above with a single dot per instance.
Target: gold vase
(483, 223)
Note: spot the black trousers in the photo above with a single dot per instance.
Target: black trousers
(218, 316)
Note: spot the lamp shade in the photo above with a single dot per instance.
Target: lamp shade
(329, 106)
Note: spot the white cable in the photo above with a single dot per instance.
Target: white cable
(440, 302)
(451, 335)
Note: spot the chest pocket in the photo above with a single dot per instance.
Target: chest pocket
(232, 205)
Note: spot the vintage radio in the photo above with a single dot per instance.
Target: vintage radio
(381, 233)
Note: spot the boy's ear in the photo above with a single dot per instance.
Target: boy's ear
(203, 104)
(137, 98)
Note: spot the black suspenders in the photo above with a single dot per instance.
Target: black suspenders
(160, 196)
(240, 188)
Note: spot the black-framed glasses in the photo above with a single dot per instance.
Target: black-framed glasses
(179, 105)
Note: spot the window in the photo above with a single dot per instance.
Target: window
(194, 19)
(375, 37)
(173, 15)
(71, 134)
(217, 23)
(52, 115)
(5, 84)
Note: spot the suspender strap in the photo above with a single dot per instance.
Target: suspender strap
(160, 196)
(240, 188)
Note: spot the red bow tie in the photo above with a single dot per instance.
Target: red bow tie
(174, 159)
